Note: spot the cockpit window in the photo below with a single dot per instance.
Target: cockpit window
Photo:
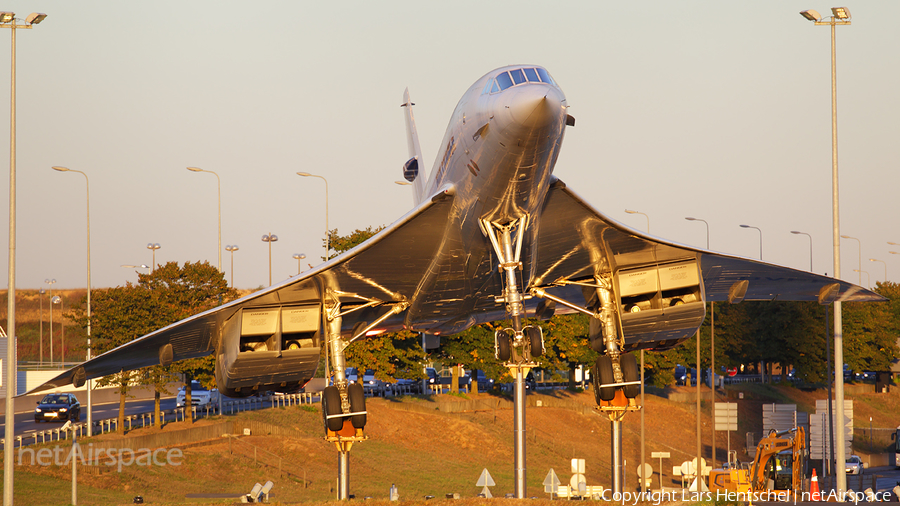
(545, 77)
(516, 77)
(504, 81)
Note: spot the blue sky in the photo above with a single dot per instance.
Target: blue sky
(717, 110)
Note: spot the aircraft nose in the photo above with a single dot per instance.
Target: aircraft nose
(536, 106)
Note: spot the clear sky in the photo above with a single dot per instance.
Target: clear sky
(716, 110)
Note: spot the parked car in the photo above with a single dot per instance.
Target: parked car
(854, 465)
(403, 386)
(58, 408)
(680, 375)
(484, 383)
(201, 397)
(371, 385)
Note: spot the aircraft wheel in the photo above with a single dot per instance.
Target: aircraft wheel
(595, 383)
(503, 345)
(357, 398)
(605, 374)
(331, 405)
(536, 339)
(630, 372)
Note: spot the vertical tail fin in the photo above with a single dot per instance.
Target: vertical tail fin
(413, 170)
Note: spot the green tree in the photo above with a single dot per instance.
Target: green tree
(171, 293)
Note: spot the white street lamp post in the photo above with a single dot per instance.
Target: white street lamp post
(810, 246)
(231, 248)
(219, 190)
(153, 246)
(299, 257)
(270, 238)
(327, 232)
(841, 16)
(88, 383)
(760, 239)
(8, 20)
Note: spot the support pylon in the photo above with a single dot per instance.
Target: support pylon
(814, 487)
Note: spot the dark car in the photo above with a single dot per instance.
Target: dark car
(484, 383)
(680, 375)
(58, 408)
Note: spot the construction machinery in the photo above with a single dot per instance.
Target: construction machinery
(778, 465)
(779, 461)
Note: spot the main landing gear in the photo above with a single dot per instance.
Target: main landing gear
(615, 377)
(344, 403)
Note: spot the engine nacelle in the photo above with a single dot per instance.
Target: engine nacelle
(268, 348)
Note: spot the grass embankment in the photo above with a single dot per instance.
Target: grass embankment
(422, 450)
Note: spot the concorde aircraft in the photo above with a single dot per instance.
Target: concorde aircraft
(493, 236)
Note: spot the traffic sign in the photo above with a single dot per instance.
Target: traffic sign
(551, 482)
(485, 480)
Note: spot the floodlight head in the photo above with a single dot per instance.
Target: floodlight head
(55, 300)
(690, 219)
(7, 17)
(61, 169)
(195, 169)
(35, 18)
(746, 226)
(811, 15)
(841, 13)
(796, 232)
(304, 174)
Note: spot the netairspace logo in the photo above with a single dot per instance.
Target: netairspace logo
(110, 457)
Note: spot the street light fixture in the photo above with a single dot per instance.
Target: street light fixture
(88, 383)
(629, 211)
(8, 20)
(841, 16)
(299, 256)
(219, 190)
(868, 278)
(885, 267)
(327, 232)
(231, 248)
(712, 355)
(810, 246)
(859, 253)
(153, 246)
(760, 239)
(270, 238)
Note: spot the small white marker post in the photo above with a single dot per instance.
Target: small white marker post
(485, 481)
(551, 483)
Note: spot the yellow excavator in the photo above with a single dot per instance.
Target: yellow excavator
(778, 465)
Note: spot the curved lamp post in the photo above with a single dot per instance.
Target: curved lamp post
(327, 232)
(883, 263)
(858, 256)
(760, 238)
(629, 211)
(219, 191)
(88, 383)
(810, 246)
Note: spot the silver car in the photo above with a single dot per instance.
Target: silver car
(854, 465)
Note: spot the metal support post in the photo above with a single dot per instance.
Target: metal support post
(617, 466)
(519, 422)
(343, 475)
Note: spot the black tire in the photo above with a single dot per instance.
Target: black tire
(630, 373)
(537, 342)
(503, 346)
(606, 377)
(357, 397)
(595, 333)
(595, 383)
(331, 405)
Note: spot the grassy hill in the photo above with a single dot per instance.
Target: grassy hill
(424, 450)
